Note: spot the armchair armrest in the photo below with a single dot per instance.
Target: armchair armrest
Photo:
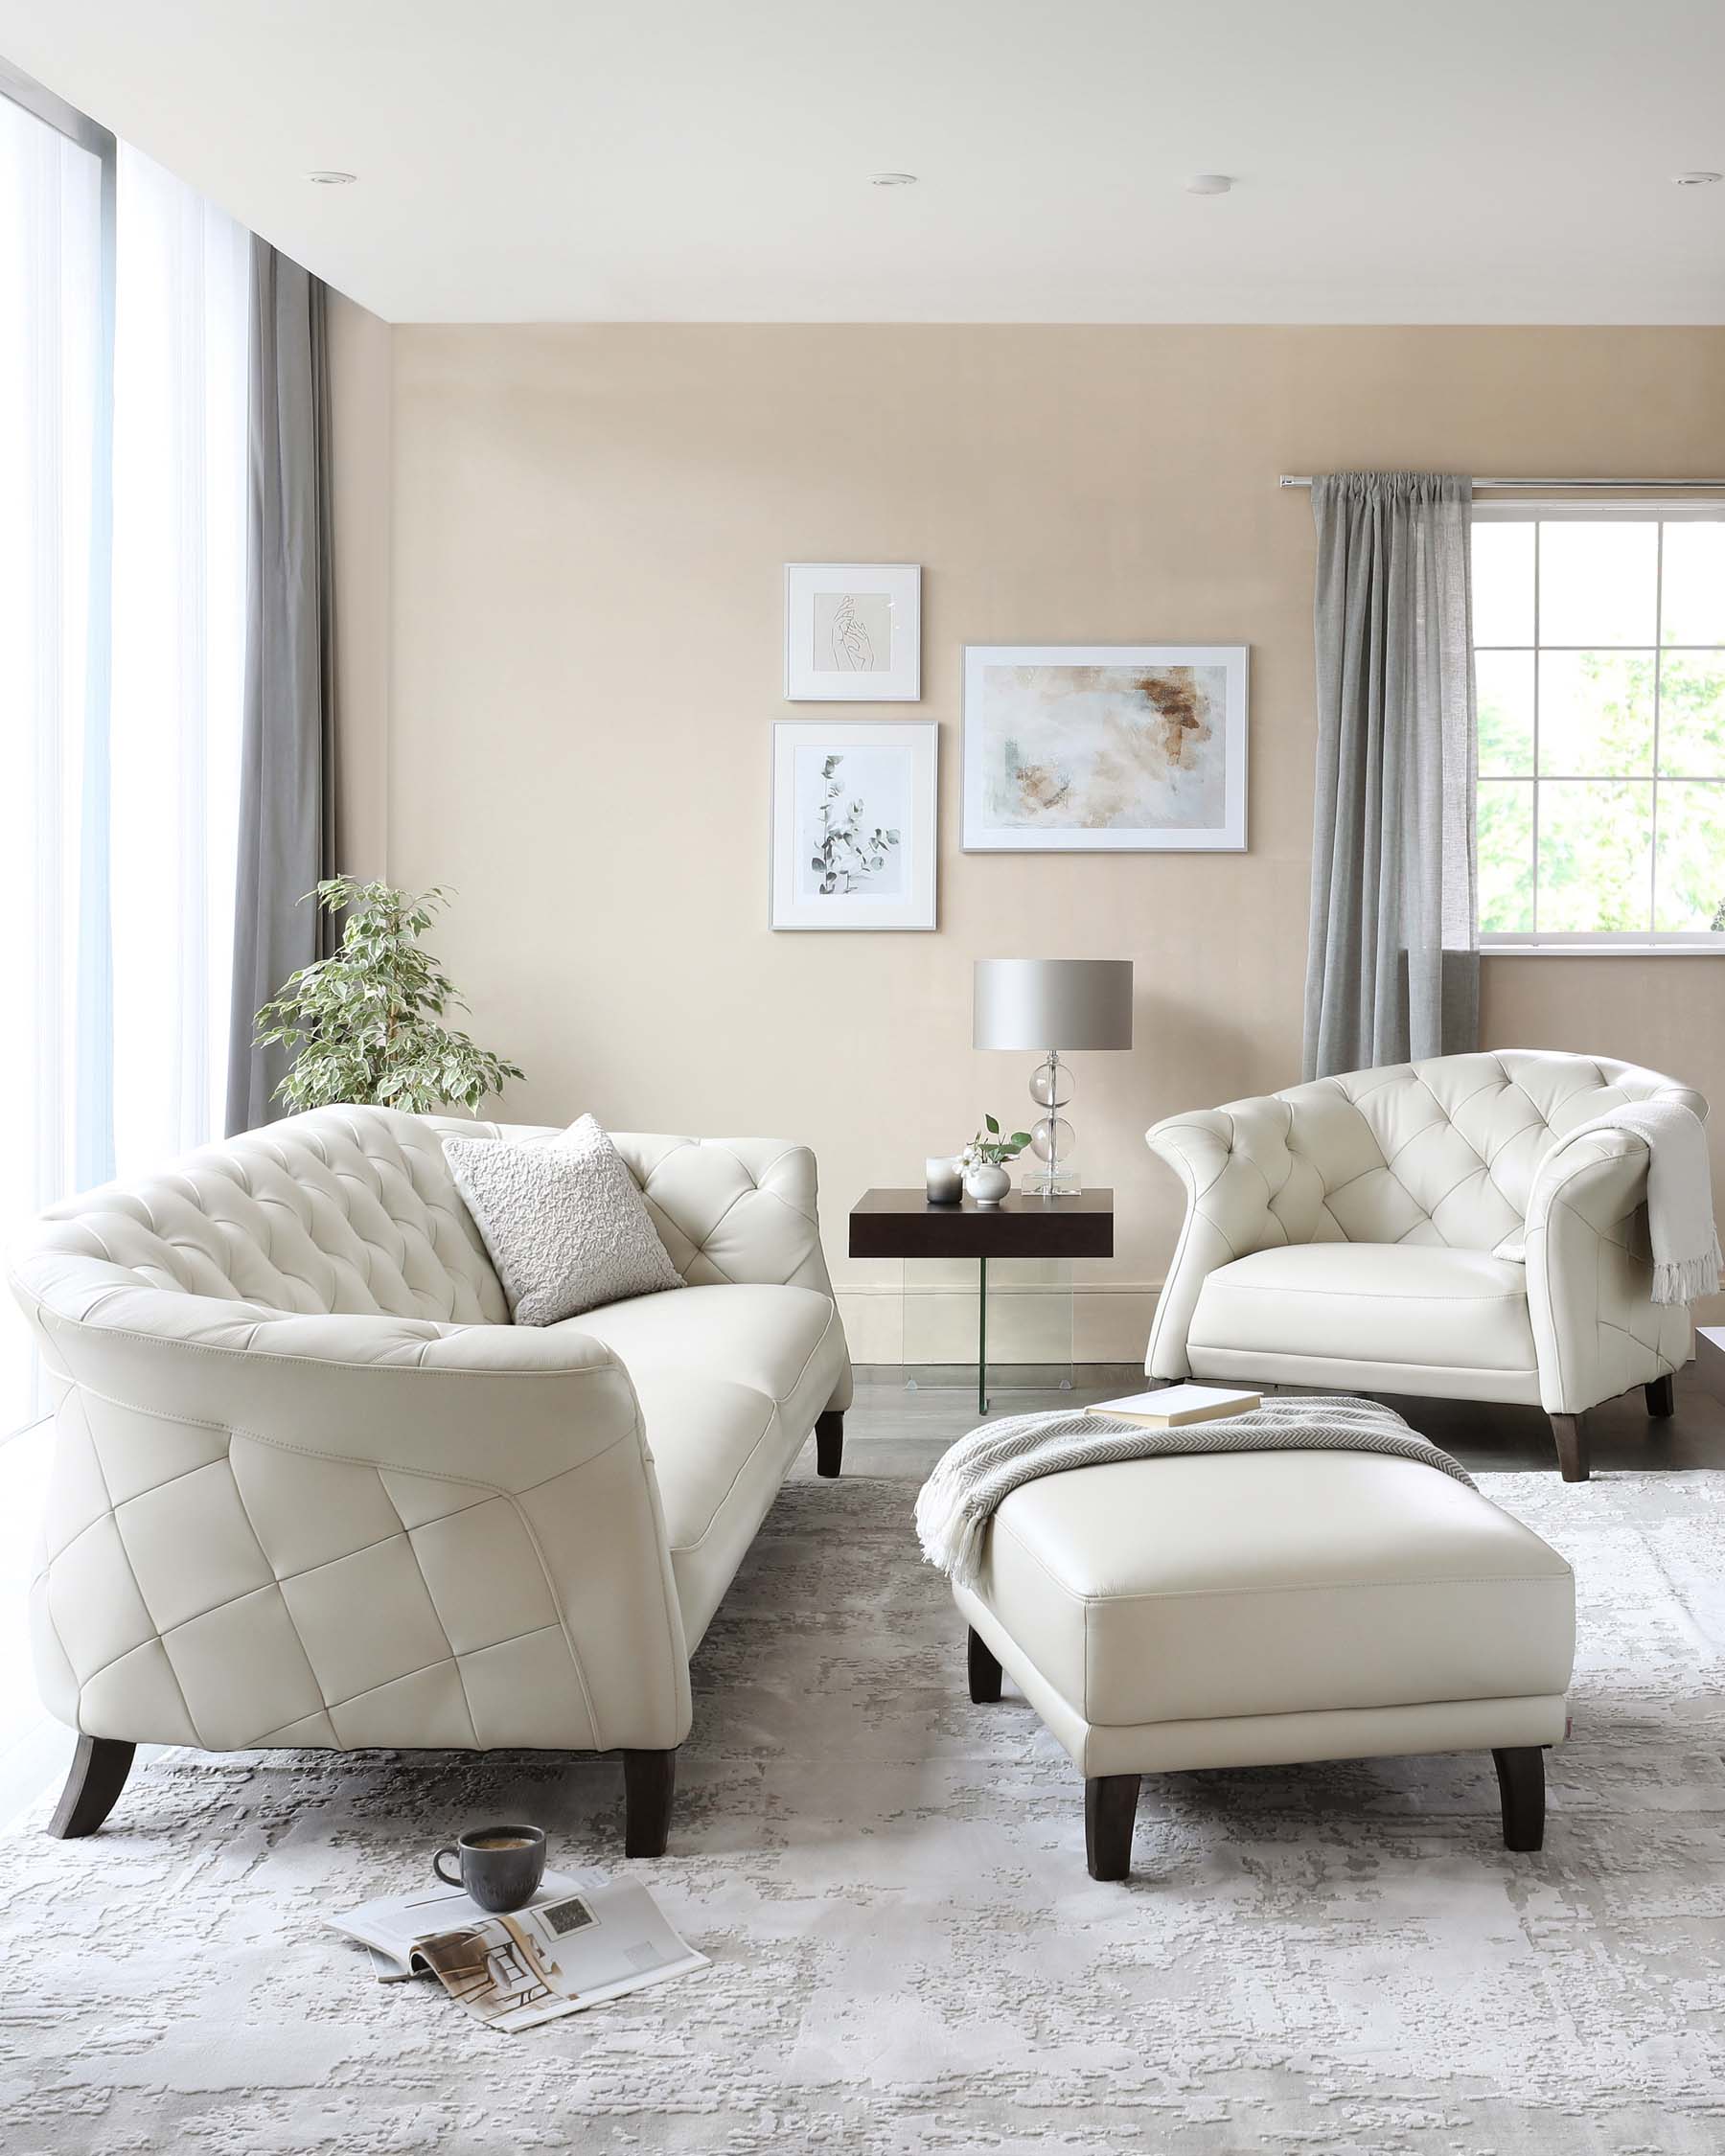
(1595, 1327)
(1233, 1161)
(209, 1450)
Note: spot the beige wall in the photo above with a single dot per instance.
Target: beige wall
(589, 532)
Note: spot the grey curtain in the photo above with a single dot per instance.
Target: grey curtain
(288, 772)
(1393, 966)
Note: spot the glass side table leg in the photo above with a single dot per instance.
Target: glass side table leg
(982, 1337)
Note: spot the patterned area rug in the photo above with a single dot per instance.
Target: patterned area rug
(908, 1954)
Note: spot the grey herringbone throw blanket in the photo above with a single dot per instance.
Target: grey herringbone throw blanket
(972, 1476)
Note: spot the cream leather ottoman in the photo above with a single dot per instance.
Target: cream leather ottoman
(1255, 1609)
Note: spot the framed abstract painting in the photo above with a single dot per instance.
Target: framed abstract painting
(854, 823)
(1105, 747)
(853, 633)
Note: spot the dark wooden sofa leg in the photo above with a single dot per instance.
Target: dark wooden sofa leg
(1109, 1811)
(649, 1779)
(1571, 1447)
(1520, 1784)
(829, 1443)
(985, 1671)
(99, 1767)
(1662, 1396)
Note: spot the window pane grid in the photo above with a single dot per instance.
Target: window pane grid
(1538, 580)
(1658, 669)
(1618, 852)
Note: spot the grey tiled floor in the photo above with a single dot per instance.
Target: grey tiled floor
(892, 1431)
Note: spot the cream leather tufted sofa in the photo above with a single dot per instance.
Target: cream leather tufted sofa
(1426, 1229)
(312, 1488)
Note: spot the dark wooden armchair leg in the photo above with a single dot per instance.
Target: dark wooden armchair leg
(1520, 1784)
(1571, 1447)
(99, 1767)
(1110, 1810)
(1662, 1396)
(985, 1671)
(829, 1443)
(649, 1779)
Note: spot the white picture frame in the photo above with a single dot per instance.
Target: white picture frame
(1105, 763)
(864, 856)
(853, 633)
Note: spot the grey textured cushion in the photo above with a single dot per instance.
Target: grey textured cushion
(562, 1220)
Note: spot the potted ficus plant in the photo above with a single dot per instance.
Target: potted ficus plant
(365, 1023)
(984, 1159)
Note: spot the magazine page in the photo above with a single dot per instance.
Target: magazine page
(394, 1926)
(559, 1957)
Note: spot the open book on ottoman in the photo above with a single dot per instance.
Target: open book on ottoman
(1177, 1405)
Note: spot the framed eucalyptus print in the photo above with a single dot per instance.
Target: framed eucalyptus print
(1105, 747)
(854, 823)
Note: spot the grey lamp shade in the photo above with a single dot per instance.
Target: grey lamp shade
(1052, 1004)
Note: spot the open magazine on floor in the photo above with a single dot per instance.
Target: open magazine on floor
(579, 1941)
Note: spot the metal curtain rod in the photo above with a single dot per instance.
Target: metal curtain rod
(1586, 486)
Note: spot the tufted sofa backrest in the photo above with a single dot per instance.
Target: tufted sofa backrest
(349, 1209)
(727, 1209)
(1442, 1151)
(354, 1210)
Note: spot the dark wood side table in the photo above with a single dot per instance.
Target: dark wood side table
(901, 1224)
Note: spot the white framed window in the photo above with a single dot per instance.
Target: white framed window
(1599, 670)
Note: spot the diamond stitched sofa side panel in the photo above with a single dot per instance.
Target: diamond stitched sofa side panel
(348, 1530)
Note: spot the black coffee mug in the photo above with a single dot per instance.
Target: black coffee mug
(500, 1867)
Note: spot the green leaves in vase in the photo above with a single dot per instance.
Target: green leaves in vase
(995, 1149)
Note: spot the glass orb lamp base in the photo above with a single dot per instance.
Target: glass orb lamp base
(1042, 1182)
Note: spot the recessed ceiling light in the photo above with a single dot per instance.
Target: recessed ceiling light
(1208, 183)
(1695, 179)
(892, 179)
(332, 180)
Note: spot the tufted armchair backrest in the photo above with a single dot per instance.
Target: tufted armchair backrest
(1442, 1151)
(354, 1210)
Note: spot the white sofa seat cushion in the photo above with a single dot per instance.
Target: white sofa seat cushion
(730, 1380)
(1404, 1304)
(719, 1452)
(782, 1342)
(1274, 1583)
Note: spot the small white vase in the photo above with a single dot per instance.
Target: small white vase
(987, 1184)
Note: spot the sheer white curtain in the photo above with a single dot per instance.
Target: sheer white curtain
(181, 320)
(121, 664)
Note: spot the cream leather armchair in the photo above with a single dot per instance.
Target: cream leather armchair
(1426, 1229)
(311, 1487)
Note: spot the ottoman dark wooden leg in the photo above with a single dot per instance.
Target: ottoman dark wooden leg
(829, 1444)
(99, 1767)
(1520, 1784)
(984, 1672)
(1571, 1447)
(1662, 1396)
(1110, 1809)
(649, 1779)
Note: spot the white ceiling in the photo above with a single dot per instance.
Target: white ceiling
(709, 160)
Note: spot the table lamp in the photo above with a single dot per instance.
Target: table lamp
(1051, 1004)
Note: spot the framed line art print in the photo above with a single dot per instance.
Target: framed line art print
(1105, 747)
(853, 633)
(854, 823)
